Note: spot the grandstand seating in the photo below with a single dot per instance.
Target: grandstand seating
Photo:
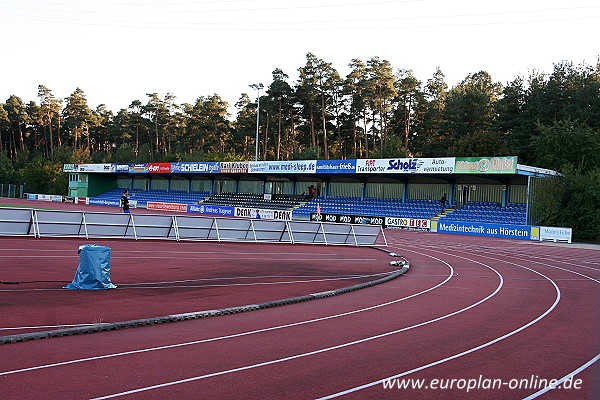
(143, 197)
(475, 211)
(247, 200)
(488, 212)
(372, 207)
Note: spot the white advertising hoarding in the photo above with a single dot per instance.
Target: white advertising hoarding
(406, 165)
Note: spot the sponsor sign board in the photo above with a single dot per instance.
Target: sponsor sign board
(408, 223)
(347, 219)
(406, 165)
(282, 167)
(57, 198)
(70, 167)
(211, 210)
(108, 168)
(234, 167)
(68, 199)
(152, 205)
(82, 200)
(105, 202)
(556, 234)
(140, 168)
(159, 168)
(44, 197)
(255, 213)
(482, 229)
(486, 165)
(336, 166)
(31, 196)
(196, 167)
(121, 167)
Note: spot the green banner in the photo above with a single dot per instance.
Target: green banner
(485, 165)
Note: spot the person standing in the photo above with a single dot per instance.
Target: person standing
(125, 202)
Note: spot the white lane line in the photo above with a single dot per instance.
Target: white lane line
(273, 328)
(564, 378)
(178, 252)
(491, 342)
(323, 350)
(584, 366)
(206, 286)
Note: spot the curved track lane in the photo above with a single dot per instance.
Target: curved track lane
(468, 308)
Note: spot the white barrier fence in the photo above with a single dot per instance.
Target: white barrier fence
(59, 223)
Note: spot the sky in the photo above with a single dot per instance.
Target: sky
(118, 51)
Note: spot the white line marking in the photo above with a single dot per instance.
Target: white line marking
(237, 334)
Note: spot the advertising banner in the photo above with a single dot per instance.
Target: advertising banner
(347, 219)
(281, 167)
(211, 210)
(255, 213)
(121, 167)
(159, 168)
(44, 197)
(408, 223)
(108, 168)
(555, 234)
(105, 202)
(336, 166)
(141, 168)
(82, 200)
(234, 167)
(196, 167)
(486, 165)
(167, 206)
(70, 167)
(491, 230)
(31, 196)
(57, 198)
(406, 165)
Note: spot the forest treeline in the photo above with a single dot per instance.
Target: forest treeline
(549, 120)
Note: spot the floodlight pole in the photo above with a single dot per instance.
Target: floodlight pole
(257, 86)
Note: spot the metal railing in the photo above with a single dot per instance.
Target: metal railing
(59, 223)
(10, 190)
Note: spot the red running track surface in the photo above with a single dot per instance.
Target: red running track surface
(517, 312)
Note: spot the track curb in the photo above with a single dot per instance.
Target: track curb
(104, 327)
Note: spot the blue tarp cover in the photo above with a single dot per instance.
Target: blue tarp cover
(93, 271)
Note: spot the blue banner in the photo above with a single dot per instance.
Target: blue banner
(196, 167)
(336, 166)
(211, 210)
(489, 230)
(105, 202)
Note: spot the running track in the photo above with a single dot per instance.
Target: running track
(515, 310)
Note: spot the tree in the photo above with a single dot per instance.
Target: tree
(78, 117)
(50, 108)
(355, 87)
(470, 107)
(565, 143)
(430, 136)
(380, 92)
(409, 97)
(280, 94)
(17, 115)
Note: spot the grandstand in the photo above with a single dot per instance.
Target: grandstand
(252, 200)
(377, 207)
(474, 211)
(487, 212)
(143, 197)
(464, 190)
